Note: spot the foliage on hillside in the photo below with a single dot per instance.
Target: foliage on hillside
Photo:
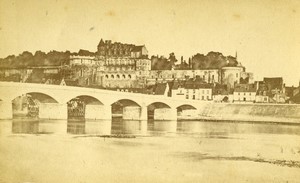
(162, 63)
(27, 59)
(213, 60)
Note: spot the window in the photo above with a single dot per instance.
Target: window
(187, 96)
(129, 76)
(237, 75)
(112, 76)
(194, 97)
(202, 97)
(207, 91)
(207, 97)
(118, 76)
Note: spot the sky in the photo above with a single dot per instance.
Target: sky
(264, 33)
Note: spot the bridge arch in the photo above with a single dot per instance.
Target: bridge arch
(84, 107)
(41, 97)
(127, 108)
(30, 104)
(126, 102)
(159, 105)
(161, 111)
(186, 107)
(88, 100)
(186, 110)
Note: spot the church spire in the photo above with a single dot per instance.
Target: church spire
(235, 55)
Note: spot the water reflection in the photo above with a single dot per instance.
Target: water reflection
(225, 128)
(165, 126)
(119, 126)
(91, 127)
(28, 127)
(76, 127)
(38, 126)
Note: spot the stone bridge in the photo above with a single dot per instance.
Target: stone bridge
(53, 101)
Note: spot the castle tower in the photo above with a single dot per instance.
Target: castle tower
(101, 48)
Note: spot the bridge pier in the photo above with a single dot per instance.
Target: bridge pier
(144, 113)
(102, 112)
(135, 113)
(106, 112)
(165, 114)
(131, 113)
(53, 111)
(6, 110)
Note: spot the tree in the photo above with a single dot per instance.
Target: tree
(213, 60)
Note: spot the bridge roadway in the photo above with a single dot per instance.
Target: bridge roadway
(53, 101)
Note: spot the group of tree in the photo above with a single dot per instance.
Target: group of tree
(213, 60)
(39, 58)
(162, 63)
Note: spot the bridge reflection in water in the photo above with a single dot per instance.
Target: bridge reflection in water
(147, 128)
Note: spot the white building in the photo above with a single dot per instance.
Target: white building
(231, 75)
(143, 64)
(244, 93)
(192, 91)
(82, 60)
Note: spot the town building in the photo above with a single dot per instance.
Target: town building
(275, 89)
(222, 94)
(82, 60)
(262, 95)
(143, 65)
(244, 93)
(192, 90)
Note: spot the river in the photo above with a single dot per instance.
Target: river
(148, 151)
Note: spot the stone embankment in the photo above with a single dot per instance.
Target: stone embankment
(280, 113)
